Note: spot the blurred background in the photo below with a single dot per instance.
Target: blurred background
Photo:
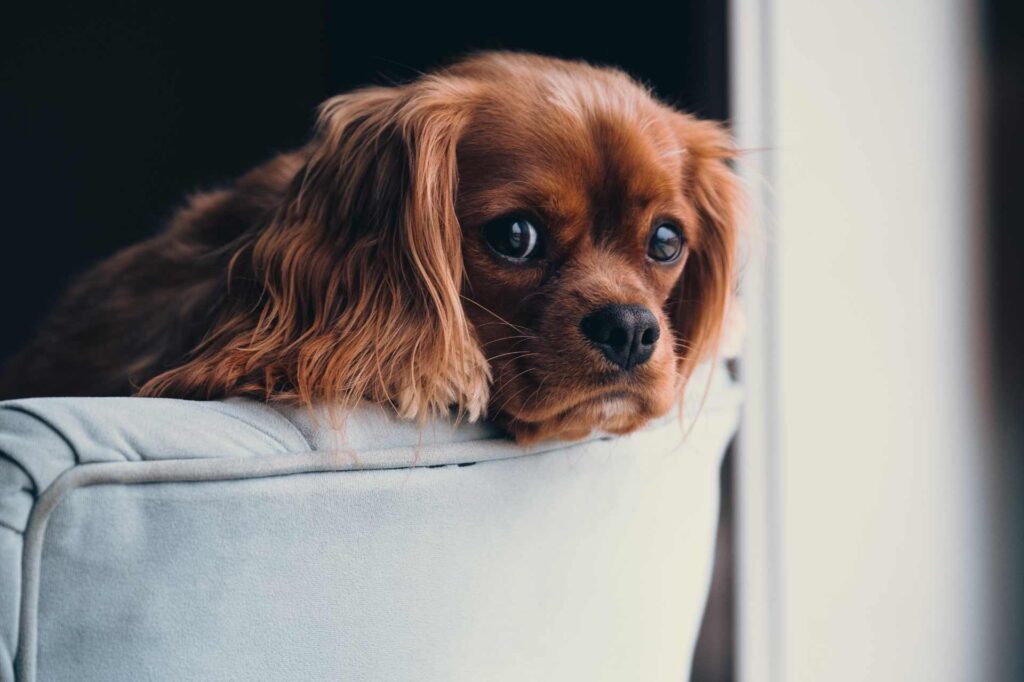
(872, 512)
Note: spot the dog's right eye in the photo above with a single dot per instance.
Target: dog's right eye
(513, 238)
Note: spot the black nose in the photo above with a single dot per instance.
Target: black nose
(626, 334)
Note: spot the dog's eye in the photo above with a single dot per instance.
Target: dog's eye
(513, 238)
(666, 244)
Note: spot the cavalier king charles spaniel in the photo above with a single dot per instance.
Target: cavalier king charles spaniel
(535, 240)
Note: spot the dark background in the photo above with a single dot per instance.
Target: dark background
(111, 113)
(1003, 54)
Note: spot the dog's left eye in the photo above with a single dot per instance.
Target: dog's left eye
(513, 238)
(666, 244)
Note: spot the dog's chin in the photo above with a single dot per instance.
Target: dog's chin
(615, 412)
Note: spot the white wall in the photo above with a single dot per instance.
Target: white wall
(863, 553)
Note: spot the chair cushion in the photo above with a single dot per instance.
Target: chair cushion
(153, 539)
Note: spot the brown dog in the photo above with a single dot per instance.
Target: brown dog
(534, 239)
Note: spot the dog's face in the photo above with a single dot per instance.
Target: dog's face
(580, 208)
(530, 238)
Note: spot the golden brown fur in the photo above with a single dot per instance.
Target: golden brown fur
(353, 269)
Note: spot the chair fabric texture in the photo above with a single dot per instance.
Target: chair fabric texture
(154, 539)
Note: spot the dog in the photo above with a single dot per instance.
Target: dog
(534, 240)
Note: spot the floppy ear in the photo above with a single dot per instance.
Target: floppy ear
(702, 296)
(358, 273)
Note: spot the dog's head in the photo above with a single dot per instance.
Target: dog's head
(534, 239)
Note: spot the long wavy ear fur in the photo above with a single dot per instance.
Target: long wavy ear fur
(700, 302)
(352, 289)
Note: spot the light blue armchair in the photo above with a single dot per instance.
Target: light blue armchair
(149, 539)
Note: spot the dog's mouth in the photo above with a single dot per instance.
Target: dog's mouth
(619, 399)
(573, 417)
(579, 403)
(535, 401)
